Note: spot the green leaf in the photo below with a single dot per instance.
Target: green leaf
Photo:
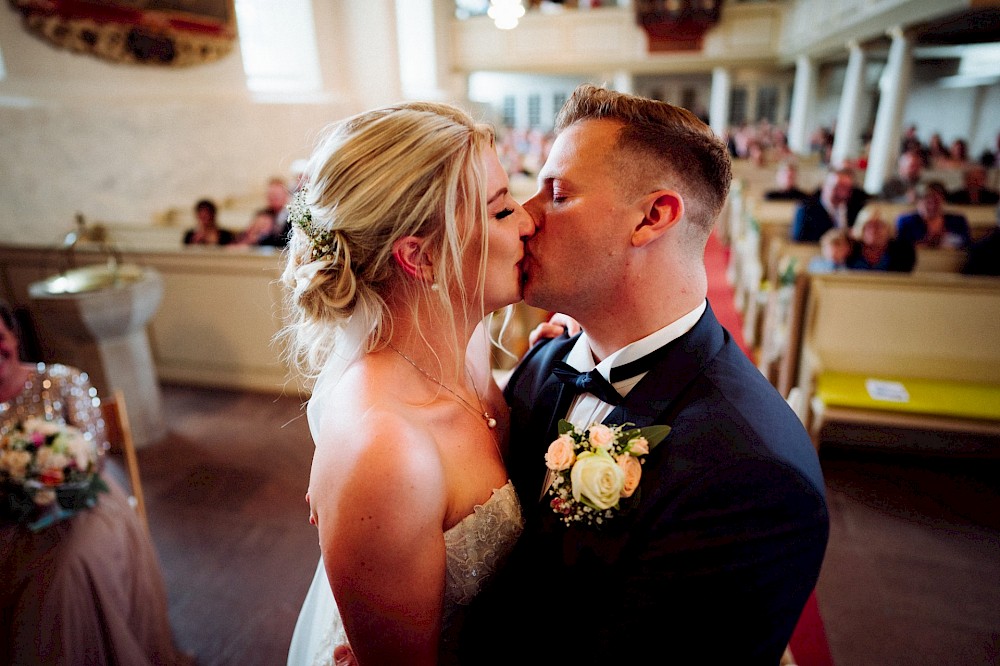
(654, 434)
(565, 426)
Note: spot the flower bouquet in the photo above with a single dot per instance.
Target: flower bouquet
(594, 469)
(48, 472)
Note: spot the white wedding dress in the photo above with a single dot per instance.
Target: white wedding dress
(475, 547)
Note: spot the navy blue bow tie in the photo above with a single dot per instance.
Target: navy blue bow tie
(594, 382)
(586, 382)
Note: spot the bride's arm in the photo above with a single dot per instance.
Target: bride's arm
(379, 500)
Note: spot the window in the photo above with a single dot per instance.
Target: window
(278, 43)
(534, 110)
(738, 106)
(558, 100)
(509, 111)
(767, 103)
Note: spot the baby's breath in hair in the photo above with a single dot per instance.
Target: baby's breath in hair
(320, 240)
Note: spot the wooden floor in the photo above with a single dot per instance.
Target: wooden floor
(912, 573)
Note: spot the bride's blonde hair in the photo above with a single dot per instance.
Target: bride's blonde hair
(411, 169)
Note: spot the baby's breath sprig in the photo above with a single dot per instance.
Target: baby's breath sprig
(321, 241)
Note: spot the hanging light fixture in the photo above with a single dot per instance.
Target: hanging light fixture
(505, 13)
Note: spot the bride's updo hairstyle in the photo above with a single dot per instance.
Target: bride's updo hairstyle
(411, 169)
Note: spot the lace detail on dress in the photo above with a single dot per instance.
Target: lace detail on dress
(479, 544)
(476, 547)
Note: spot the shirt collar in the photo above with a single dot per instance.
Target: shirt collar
(581, 356)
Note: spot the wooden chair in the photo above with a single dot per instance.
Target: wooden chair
(119, 434)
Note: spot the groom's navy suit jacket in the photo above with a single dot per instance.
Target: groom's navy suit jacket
(716, 558)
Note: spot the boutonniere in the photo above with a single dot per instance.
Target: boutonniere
(595, 468)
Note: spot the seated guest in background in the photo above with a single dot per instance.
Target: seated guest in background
(86, 589)
(984, 254)
(207, 230)
(929, 225)
(902, 188)
(260, 230)
(787, 189)
(875, 248)
(975, 191)
(834, 248)
(835, 205)
(277, 207)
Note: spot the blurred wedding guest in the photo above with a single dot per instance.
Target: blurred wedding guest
(836, 205)
(975, 191)
(277, 206)
(834, 248)
(936, 150)
(787, 188)
(874, 246)
(82, 589)
(260, 230)
(929, 225)
(984, 254)
(902, 187)
(207, 230)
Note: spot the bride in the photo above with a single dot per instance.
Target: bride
(405, 237)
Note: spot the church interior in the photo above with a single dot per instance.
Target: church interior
(119, 120)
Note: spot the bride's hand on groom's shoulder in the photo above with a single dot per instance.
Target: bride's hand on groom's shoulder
(343, 655)
(553, 328)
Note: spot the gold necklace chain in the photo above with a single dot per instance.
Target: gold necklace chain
(491, 422)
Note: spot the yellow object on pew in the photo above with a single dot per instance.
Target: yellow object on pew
(905, 394)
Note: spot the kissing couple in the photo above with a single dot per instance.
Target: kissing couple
(637, 488)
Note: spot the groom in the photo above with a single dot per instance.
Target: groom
(713, 558)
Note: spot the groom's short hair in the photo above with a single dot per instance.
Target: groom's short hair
(657, 140)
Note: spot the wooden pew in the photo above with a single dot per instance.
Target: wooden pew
(916, 351)
(781, 322)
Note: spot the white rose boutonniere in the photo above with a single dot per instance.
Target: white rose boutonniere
(596, 468)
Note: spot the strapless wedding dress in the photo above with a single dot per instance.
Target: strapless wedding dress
(476, 547)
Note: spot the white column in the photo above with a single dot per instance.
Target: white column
(623, 81)
(803, 100)
(424, 59)
(847, 141)
(375, 78)
(894, 86)
(718, 106)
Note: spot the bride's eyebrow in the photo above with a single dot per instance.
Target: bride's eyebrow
(502, 192)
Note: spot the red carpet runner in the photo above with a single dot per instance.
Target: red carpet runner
(809, 645)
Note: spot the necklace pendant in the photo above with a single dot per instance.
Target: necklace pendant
(491, 422)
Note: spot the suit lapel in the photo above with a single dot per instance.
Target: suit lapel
(540, 400)
(666, 381)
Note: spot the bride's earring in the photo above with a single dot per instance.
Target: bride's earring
(435, 286)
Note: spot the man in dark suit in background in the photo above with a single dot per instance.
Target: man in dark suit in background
(713, 557)
(835, 205)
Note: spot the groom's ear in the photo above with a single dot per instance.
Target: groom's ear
(661, 211)
(409, 253)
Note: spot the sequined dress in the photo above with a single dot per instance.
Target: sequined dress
(87, 589)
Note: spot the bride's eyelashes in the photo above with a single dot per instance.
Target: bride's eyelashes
(504, 213)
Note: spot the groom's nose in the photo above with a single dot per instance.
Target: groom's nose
(534, 208)
(526, 225)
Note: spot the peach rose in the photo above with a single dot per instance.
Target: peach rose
(601, 436)
(633, 472)
(638, 446)
(560, 455)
